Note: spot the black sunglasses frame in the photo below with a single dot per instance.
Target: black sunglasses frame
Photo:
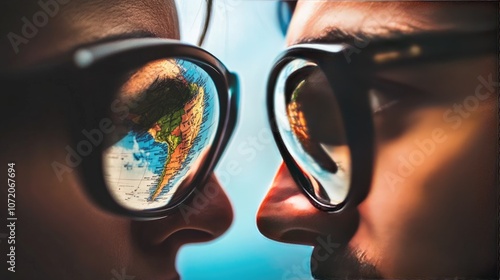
(350, 79)
(91, 73)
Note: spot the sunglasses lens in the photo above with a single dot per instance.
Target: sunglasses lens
(311, 126)
(165, 118)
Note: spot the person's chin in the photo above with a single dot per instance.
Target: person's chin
(341, 264)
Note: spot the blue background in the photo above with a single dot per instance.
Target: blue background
(246, 36)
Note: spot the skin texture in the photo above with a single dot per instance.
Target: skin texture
(63, 235)
(437, 220)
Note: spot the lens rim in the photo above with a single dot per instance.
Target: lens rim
(289, 73)
(108, 63)
(351, 91)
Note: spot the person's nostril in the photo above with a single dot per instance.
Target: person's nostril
(287, 215)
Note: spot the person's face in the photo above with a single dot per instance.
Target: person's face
(431, 208)
(61, 234)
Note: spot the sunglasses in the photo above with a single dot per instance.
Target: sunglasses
(149, 119)
(321, 113)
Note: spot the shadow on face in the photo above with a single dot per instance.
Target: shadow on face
(63, 235)
(430, 212)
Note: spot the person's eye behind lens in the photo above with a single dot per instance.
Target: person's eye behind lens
(396, 107)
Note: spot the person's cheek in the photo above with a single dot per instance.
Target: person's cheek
(416, 193)
(60, 229)
(459, 199)
(399, 161)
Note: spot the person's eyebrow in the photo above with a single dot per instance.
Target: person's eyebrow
(334, 35)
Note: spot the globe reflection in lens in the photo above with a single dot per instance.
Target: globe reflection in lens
(311, 127)
(166, 116)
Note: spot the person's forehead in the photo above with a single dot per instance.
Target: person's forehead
(314, 18)
(157, 17)
(82, 22)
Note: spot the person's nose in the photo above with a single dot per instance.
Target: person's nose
(286, 215)
(204, 216)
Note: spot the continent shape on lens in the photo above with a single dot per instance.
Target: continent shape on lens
(186, 124)
(163, 135)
